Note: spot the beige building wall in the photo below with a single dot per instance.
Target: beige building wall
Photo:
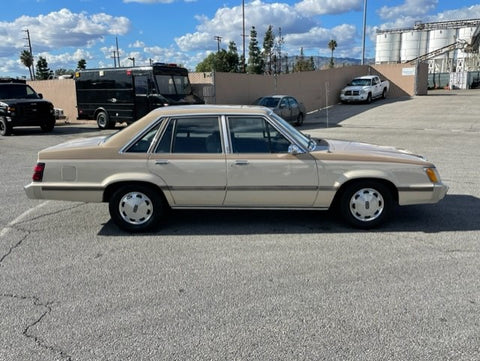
(61, 92)
(316, 89)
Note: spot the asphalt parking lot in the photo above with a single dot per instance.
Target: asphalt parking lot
(252, 285)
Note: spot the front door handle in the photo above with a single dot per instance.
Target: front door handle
(161, 161)
(241, 162)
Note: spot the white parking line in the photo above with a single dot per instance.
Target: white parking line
(20, 218)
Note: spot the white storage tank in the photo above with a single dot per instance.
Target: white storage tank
(413, 45)
(439, 38)
(388, 48)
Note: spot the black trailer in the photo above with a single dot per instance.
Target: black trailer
(111, 95)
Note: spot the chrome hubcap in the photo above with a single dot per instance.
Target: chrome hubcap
(135, 208)
(366, 204)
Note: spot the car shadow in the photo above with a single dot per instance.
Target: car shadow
(63, 130)
(336, 114)
(454, 213)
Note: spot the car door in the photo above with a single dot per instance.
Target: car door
(260, 170)
(190, 159)
(285, 110)
(294, 108)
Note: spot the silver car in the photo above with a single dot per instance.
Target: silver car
(286, 106)
(231, 157)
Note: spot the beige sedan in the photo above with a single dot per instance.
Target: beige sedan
(231, 157)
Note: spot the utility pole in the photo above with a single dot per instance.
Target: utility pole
(31, 52)
(118, 52)
(218, 39)
(114, 56)
(243, 34)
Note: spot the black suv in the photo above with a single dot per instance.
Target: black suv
(21, 106)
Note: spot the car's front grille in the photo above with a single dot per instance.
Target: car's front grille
(352, 92)
(32, 111)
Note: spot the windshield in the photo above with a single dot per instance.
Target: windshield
(17, 91)
(301, 139)
(268, 102)
(173, 84)
(361, 82)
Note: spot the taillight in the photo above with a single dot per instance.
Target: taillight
(38, 172)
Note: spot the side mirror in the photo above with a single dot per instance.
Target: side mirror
(40, 95)
(294, 149)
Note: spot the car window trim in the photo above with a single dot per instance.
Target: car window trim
(141, 134)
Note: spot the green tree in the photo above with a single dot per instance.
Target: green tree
(82, 64)
(43, 71)
(268, 44)
(255, 61)
(26, 58)
(221, 61)
(232, 58)
(303, 64)
(332, 45)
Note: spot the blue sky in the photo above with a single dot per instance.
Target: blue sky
(183, 31)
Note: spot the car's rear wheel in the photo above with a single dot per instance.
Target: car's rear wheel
(5, 128)
(103, 121)
(299, 120)
(366, 204)
(137, 208)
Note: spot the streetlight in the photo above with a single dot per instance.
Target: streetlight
(133, 60)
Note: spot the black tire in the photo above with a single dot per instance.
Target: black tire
(369, 98)
(299, 120)
(366, 204)
(137, 208)
(48, 125)
(384, 94)
(103, 120)
(5, 128)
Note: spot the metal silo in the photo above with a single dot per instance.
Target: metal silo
(440, 38)
(388, 48)
(414, 44)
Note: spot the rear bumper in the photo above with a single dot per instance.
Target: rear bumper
(36, 190)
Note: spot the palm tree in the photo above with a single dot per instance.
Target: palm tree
(332, 44)
(26, 58)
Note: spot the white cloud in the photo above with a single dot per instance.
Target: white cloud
(137, 44)
(227, 22)
(150, 1)
(59, 29)
(317, 38)
(408, 8)
(323, 7)
(470, 12)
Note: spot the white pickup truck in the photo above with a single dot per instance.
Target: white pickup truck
(364, 89)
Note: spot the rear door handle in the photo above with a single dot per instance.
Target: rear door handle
(162, 161)
(241, 162)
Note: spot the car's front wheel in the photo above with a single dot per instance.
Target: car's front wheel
(137, 208)
(48, 125)
(5, 128)
(366, 204)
